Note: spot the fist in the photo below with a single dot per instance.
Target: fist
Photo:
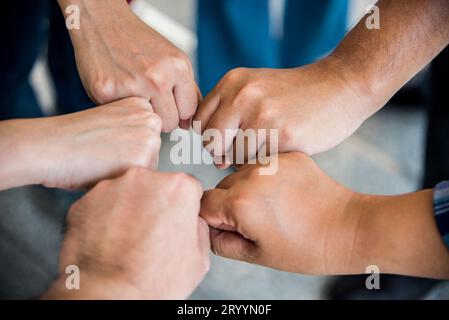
(123, 57)
(296, 220)
(311, 108)
(138, 236)
(80, 149)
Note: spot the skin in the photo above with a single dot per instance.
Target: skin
(310, 224)
(317, 106)
(153, 246)
(76, 151)
(119, 56)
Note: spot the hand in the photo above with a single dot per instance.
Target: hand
(76, 151)
(119, 56)
(302, 221)
(136, 237)
(314, 108)
(289, 221)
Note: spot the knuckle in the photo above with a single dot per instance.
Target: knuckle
(235, 74)
(74, 208)
(252, 90)
(158, 81)
(169, 124)
(184, 180)
(103, 90)
(253, 174)
(182, 64)
(154, 144)
(239, 203)
(103, 184)
(137, 102)
(134, 173)
(249, 94)
(153, 121)
(205, 264)
(287, 136)
(130, 84)
(265, 114)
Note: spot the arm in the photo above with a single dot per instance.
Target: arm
(18, 166)
(400, 235)
(311, 224)
(119, 56)
(377, 63)
(315, 107)
(77, 150)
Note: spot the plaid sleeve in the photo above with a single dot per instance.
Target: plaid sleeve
(441, 207)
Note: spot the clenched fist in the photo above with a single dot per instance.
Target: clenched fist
(300, 220)
(138, 236)
(288, 221)
(76, 151)
(313, 107)
(119, 56)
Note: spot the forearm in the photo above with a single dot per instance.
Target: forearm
(16, 167)
(94, 8)
(399, 235)
(92, 288)
(95, 16)
(377, 63)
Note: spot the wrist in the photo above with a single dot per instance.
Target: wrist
(95, 16)
(20, 158)
(92, 287)
(356, 84)
(342, 233)
(399, 235)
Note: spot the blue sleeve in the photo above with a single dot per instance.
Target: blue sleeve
(441, 208)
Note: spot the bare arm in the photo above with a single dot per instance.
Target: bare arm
(77, 150)
(377, 63)
(399, 235)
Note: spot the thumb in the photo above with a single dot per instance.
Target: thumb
(232, 245)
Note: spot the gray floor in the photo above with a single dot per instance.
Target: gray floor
(384, 156)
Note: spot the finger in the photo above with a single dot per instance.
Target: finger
(246, 146)
(203, 237)
(199, 95)
(185, 124)
(154, 122)
(165, 106)
(192, 190)
(226, 122)
(232, 245)
(198, 187)
(222, 162)
(213, 209)
(186, 98)
(206, 109)
(69, 249)
(230, 180)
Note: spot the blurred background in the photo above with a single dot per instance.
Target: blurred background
(385, 156)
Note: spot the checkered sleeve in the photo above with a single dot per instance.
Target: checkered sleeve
(441, 207)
